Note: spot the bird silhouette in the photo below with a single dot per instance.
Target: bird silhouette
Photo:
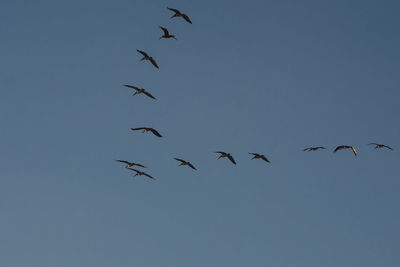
(184, 162)
(147, 129)
(226, 155)
(140, 173)
(259, 156)
(139, 91)
(166, 34)
(346, 147)
(147, 57)
(313, 148)
(179, 14)
(380, 146)
(130, 164)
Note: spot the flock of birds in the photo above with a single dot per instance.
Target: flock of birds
(146, 57)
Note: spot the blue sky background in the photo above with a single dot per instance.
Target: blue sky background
(264, 76)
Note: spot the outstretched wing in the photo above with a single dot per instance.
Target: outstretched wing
(164, 30)
(265, 158)
(388, 147)
(149, 95)
(123, 161)
(155, 132)
(231, 159)
(191, 166)
(338, 148)
(154, 62)
(254, 154)
(186, 17)
(181, 160)
(375, 144)
(131, 86)
(143, 53)
(148, 175)
(175, 10)
(220, 152)
(354, 151)
(137, 129)
(139, 165)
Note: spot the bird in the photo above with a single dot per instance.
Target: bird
(166, 34)
(226, 155)
(259, 156)
(147, 129)
(130, 164)
(147, 57)
(313, 148)
(184, 162)
(139, 91)
(179, 14)
(140, 173)
(381, 146)
(346, 147)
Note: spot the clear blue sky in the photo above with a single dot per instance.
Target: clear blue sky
(264, 76)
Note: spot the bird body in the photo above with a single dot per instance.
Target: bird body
(140, 173)
(179, 14)
(226, 155)
(166, 34)
(130, 164)
(259, 156)
(139, 91)
(147, 57)
(184, 162)
(380, 146)
(346, 147)
(313, 148)
(147, 129)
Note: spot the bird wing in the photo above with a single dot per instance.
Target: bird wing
(186, 17)
(143, 53)
(321, 147)
(131, 86)
(148, 175)
(132, 169)
(137, 129)
(338, 148)
(123, 161)
(231, 159)
(265, 158)
(155, 132)
(149, 95)
(307, 149)
(191, 166)
(165, 30)
(181, 160)
(388, 147)
(354, 150)
(375, 144)
(154, 62)
(220, 152)
(139, 165)
(254, 154)
(175, 10)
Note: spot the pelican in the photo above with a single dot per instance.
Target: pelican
(166, 34)
(346, 147)
(179, 14)
(184, 162)
(139, 91)
(130, 164)
(146, 129)
(259, 156)
(380, 146)
(226, 155)
(140, 173)
(315, 148)
(147, 57)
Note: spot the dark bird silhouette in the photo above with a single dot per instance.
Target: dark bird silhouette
(180, 14)
(146, 129)
(226, 155)
(140, 173)
(166, 34)
(380, 146)
(147, 57)
(139, 91)
(184, 162)
(130, 164)
(346, 147)
(313, 148)
(259, 156)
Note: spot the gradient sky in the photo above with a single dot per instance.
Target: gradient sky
(248, 76)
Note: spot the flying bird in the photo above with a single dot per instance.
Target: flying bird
(313, 148)
(139, 91)
(346, 147)
(140, 173)
(184, 162)
(146, 129)
(166, 34)
(259, 156)
(130, 164)
(226, 155)
(380, 146)
(179, 14)
(147, 57)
